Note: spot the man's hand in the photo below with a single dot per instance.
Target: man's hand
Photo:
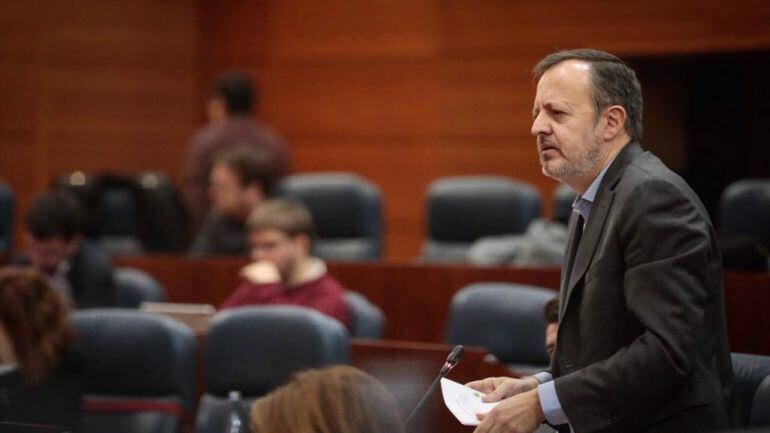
(262, 272)
(498, 388)
(518, 414)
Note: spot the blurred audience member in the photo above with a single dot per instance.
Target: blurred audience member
(338, 399)
(240, 180)
(231, 123)
(55, 246)
(283, 271)
(40, 375)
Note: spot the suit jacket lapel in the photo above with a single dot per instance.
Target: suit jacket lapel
(569, 258)
(595, 224)
(591, 234)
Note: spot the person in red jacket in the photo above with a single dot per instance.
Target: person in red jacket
(283, 271)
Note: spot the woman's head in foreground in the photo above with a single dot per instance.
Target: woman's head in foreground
(337, 399)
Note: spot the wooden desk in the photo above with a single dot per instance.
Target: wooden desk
(407, 370)
(415, 297)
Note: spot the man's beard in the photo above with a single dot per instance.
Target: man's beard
(584, 161)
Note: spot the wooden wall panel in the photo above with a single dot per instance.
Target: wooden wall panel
(399, 92)
(95, 86)
(628, 28)
(405, 92)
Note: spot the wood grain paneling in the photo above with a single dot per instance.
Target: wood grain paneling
(97, 86)
(405, 92)
(399, 92)
(416, 297)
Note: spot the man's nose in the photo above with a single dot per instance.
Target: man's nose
(539, 125)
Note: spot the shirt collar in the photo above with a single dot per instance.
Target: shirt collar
(583, 203)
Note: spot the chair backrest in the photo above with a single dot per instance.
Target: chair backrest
(463, 209)
(563, 196)
(366, 319)
(750, 370)
(87, 188)
(139, 371)
(744, 209)
(506, 318)
(255, 349)
(760, 407)
(134, 286)
(117, 222)
(7, 205)
(346, 210)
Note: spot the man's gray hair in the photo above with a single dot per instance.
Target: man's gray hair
(612, 82)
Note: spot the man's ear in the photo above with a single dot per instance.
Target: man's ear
(614, 122)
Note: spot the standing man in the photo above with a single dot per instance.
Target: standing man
(231, 123)
(641, 344)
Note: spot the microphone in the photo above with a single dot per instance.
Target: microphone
(451, 361)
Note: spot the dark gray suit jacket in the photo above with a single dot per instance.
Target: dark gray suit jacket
(642, 343)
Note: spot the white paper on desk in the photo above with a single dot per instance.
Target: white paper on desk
(464, 402)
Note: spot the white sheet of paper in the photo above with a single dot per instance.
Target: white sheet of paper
(464, 402)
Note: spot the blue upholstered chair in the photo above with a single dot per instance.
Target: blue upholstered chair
(255, 349)
(7, 205)
(752, 386)
(134, 286)
(117, 221)
(366, 319)
(463, 209)
(563, 197)
(505, 318)
(139, 371)
(744, 209)
(347, 213)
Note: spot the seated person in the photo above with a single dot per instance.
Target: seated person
(330, 400)
(551, 316)
(283, 271)
(239, 181)
(40, 374)
(231, 113)
(79, 269)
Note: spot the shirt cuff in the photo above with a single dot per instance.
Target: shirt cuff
(549, 403)
(543, 377)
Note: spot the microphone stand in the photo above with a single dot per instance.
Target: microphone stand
(451, 361)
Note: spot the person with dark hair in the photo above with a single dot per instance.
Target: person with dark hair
(283, 271)
(55, 246)
(231, 124)
(240, 180)
(40, 372)
(551, 318)
(642, 339)
(337, 399)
